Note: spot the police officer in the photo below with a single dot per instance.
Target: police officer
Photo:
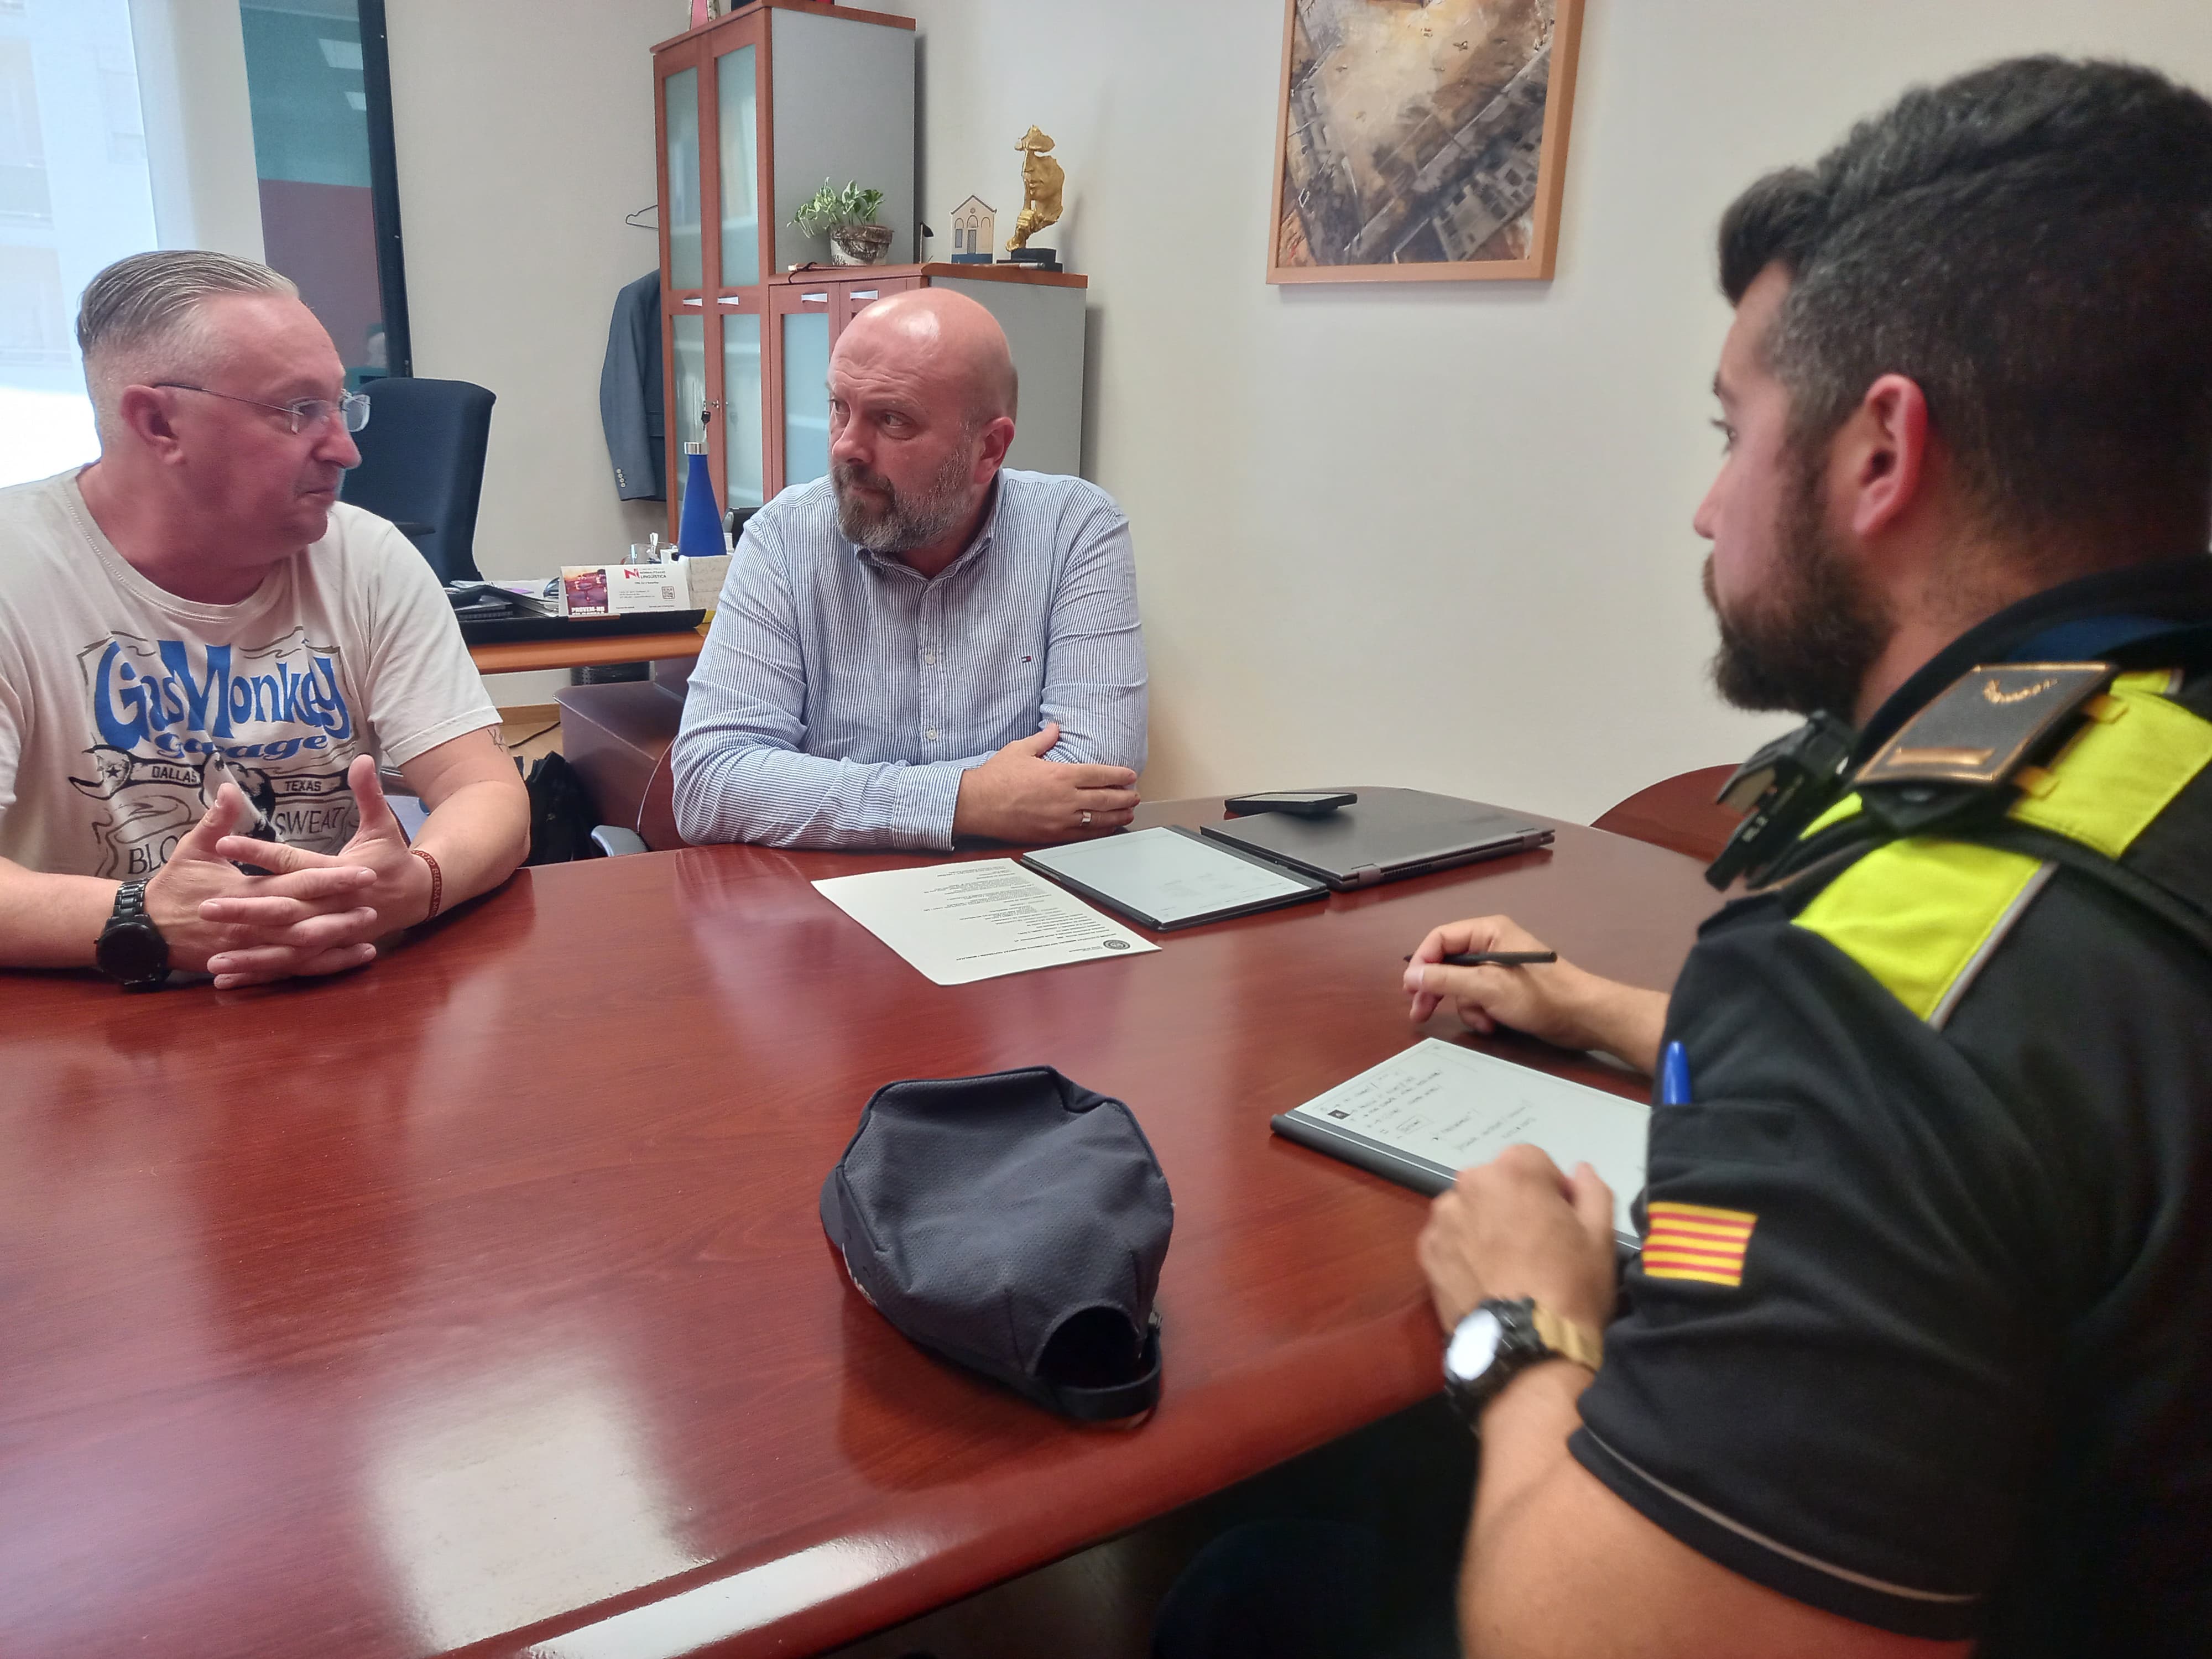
(1917, 1351)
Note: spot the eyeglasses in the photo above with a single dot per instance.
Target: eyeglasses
(303, 411)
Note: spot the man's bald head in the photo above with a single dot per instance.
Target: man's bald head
(952, 349)
(922, 405)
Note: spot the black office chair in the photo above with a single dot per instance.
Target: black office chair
(421, 466)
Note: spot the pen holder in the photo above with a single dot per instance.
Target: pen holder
(699, 532)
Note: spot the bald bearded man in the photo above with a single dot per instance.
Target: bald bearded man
(924, 644)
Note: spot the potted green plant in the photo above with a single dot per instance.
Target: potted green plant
(847, 216)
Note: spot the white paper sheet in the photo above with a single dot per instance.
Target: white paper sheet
(962, 922)
(1456, 1107)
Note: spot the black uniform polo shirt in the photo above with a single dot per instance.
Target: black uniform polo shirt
(1921, 1330)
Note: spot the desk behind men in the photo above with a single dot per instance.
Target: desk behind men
(480, 1298)
(524, 656)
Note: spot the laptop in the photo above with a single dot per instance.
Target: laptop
(1386, 835)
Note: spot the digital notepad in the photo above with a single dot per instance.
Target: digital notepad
(1170, 877)
(1423, 1115)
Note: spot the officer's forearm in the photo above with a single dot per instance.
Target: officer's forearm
(1524, 1450)
(1626, 1020)
(51, 921)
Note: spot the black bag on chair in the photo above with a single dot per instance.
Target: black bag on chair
(562, 817)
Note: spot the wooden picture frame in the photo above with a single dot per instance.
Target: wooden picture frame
(1427, 213)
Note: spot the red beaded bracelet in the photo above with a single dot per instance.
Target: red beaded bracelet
(437, 880)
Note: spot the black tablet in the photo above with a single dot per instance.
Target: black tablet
(1171, 878)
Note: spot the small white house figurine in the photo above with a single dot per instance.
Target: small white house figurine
(975, 223)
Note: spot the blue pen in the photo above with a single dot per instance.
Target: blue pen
(1674, 1077)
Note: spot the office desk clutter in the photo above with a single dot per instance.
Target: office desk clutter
(582, 602)
(622, 590)
(1015, 1223)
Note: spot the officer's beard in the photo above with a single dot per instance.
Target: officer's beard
(901, 523)
(1810, 640)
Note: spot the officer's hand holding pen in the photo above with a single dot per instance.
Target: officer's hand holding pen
(1548, 999)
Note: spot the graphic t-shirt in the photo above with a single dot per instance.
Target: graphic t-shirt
(123, 707)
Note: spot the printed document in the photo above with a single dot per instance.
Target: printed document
(962, 922)
(1441, 1108)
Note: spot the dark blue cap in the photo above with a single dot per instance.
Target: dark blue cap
(1015, 1223)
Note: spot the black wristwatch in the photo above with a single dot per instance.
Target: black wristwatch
(131, 950)
(1500, 1341)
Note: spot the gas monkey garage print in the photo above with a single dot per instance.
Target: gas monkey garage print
(175, 719)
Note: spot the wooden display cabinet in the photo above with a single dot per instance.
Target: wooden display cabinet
(759, 107)
(752, 111)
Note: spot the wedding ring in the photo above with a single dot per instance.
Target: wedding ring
(1086, 820)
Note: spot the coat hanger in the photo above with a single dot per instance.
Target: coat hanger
(637, 219)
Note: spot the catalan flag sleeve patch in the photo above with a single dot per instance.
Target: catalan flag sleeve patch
(1693, 1241)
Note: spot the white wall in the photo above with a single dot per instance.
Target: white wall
(1430, 534)
(199, 128)
(1424, 534)
(524, 133)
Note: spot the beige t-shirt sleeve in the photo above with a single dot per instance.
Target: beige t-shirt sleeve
(14, 721)
(421, 689)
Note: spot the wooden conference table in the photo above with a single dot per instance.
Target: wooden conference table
(481, 1298)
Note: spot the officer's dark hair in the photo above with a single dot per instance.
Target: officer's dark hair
(2031, 244)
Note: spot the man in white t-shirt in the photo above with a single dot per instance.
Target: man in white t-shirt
(197, 639)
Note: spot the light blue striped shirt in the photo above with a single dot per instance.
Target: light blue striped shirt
(839, 695)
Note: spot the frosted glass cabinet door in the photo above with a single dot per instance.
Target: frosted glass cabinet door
(740, 164)
(681, 93)
(741, 406)
(689, 338)
(807, 396)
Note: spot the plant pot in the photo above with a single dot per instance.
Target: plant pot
(860, 245)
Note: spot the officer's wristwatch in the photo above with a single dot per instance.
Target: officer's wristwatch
(131, 950)
(1500, 1341)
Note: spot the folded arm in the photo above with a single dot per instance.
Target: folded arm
(738, 769)
(1095, 682)
(739, 773)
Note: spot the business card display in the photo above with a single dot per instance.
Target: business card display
(622, 590)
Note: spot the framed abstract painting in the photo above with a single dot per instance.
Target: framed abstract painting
(1421, 140)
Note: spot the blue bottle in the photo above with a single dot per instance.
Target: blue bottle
(699, 532)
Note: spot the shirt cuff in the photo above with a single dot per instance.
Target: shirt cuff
(923, 799)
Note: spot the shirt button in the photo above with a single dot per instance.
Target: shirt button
(929, 656)
(931, 734)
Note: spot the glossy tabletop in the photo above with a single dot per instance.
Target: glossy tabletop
(480, 1299)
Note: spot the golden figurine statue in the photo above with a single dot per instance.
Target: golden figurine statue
(1043, 180)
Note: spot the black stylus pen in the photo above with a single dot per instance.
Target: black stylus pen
(1499, 958)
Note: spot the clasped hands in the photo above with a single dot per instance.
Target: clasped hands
(1019, 795)
(314, 913)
